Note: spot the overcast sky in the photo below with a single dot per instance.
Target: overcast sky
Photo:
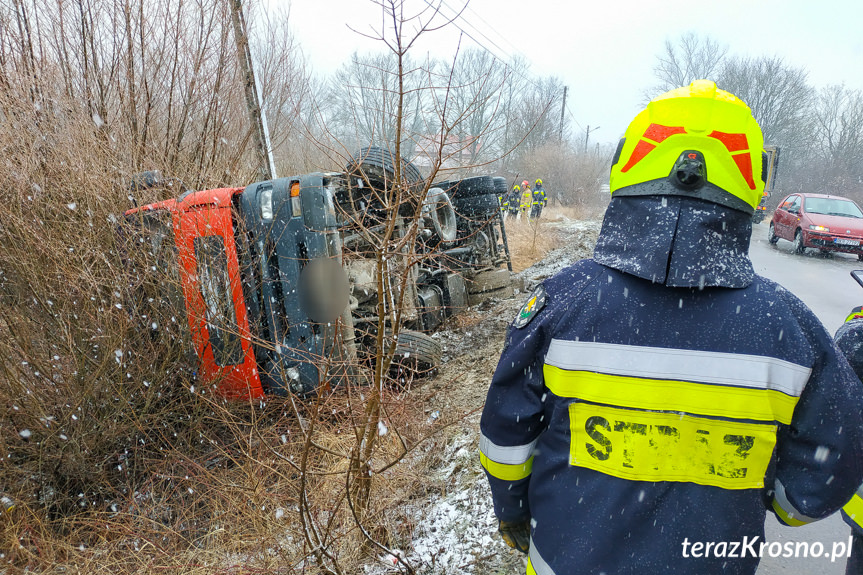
(604, 51)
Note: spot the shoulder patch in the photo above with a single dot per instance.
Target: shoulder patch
(531, 307)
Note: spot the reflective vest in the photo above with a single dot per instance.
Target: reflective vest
(849, 339)
(626, 417)
(539, 197)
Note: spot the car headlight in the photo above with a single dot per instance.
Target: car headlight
(819, 228)
(267, 204)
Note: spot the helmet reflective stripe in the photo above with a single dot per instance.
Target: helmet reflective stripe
(701, 118)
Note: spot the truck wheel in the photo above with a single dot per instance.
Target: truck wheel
(375, 161)
(489, 281)
(500, 293)
(499, 186)
(478, 206)
(771, 234)
(439, 209)
(799, 247)
(476, 186)
(417, 352)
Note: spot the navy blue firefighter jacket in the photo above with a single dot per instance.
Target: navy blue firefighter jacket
(661, 396)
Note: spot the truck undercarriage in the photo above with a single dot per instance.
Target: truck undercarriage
(287, 283)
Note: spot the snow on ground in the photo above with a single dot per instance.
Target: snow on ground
(577, 239)
(456, 532)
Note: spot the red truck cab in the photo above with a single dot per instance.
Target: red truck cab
(204, 240)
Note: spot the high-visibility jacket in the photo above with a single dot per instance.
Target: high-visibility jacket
(526, 196)
(849, 339)
(627, 418)
(539, 198)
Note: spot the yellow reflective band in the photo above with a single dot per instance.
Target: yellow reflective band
(505, 471)
(783, 514)
(530, 570)
(650, 446)
(668, 395)
(854, 509)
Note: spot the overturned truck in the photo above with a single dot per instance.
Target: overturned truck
(281, 281)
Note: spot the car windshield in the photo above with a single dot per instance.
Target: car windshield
(833, 207)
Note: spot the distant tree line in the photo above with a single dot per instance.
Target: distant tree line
(820, 130)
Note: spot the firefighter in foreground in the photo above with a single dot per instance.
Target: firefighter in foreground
(849, 339)
(661, 395)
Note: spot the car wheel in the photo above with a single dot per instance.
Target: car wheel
(771, 234)
(799, 248)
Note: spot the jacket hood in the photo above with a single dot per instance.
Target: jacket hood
(676, 241)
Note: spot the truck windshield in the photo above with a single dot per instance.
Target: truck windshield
(216, 291)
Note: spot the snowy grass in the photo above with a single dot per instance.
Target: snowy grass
(456, 529)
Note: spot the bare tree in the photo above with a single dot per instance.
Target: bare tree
(365, 100)
(474, 103)
(692, 57)
(838, 121)
(778, 94)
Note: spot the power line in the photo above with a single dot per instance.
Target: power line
(505, 39)
(456, 16)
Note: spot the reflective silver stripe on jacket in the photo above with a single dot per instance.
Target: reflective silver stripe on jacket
(782, 499)
(752, 371)
(539, 565)
(512, 455)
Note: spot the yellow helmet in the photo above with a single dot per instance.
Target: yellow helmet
(538, 181)
(696, 141)
(517, 188)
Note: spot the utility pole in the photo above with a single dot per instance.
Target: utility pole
(562, 110)
(587, 136)
(266, 166)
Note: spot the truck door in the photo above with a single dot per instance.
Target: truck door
(210, 278)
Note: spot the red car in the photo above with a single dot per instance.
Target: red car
(828, 223)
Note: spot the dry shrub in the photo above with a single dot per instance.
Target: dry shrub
(530, 241)
(116, 461)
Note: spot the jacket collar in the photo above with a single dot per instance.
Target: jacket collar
(676, 241)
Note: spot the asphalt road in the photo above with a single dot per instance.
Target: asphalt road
(825, 285)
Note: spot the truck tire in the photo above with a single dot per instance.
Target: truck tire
(476, 186)
(500, 186)
(500, 293)
(489, 281)
(484, 206)
(440, 212)
(417, 352)
(468, 187)
(375, 162)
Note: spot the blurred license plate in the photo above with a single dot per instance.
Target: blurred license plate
(844, 242)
